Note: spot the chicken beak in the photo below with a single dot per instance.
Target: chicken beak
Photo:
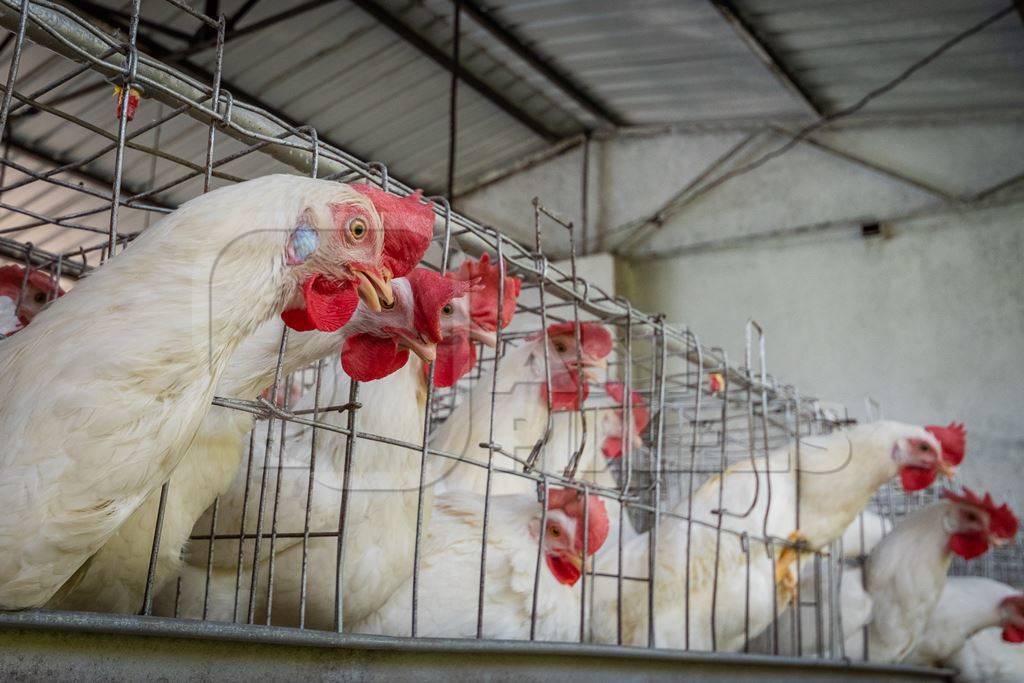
(998, 541)
(374, 289)
(427, 351)
(485, 337)
(947, 470)
(593, 368)
(576, 560)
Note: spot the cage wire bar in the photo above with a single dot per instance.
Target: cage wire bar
(697, 429)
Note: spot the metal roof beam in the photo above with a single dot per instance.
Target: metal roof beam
(378, 12)
(768, 56)
(106, 13)
(233, 20)
(231, 33)
(555, 75)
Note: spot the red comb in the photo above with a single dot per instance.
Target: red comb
(571, 503)
(953, 439)
(431, 293)
(408, 227)
(484, 302)
(14, 274)
(1002, 521)
(597, 341)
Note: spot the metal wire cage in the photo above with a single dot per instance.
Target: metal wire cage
(707, 414)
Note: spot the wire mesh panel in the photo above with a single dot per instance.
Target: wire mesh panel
(562, 481)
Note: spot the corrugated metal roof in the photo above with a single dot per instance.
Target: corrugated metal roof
(653, 60)
(339, 70)
(840, 50)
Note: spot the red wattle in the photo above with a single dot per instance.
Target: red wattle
(298, 320)
(968, 546)
(330, 304)
(366, 358)
(1013, 634)
(456, 356)
(564, 572)
(916, 478)
(564, 395)
(612, 447)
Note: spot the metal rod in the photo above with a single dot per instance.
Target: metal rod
(453, 107)
(346, 486)
(127, 83)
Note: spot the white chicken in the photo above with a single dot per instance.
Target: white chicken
(838, 473)
(382, 507)
(609, 435)
(192, 287)
(114, 579)
(820, 633)
(521, 407)
(863, 534)
(906, 572)
(22, 296)
(967, 605)
(988, 658)
(450, 568)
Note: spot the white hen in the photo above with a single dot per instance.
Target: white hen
(838, 473)
(190, 289)
(987, 658)
(450, 569)
(114, 578)
(967, 605)
(906, 572)
(520, 411)
(384, 482)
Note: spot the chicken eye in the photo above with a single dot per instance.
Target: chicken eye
(40, 297)
(923, 447)
(448, 309)
(561, 347)
(357, 228)
(554, 531)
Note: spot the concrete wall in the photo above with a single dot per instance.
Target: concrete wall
(633, 176)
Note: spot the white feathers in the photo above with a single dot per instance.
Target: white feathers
(967, 605)
(838, 474)
(904, 575)
(450, 572)
(9, 322)
(186, 292)
(987, 658)
(380, 521)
